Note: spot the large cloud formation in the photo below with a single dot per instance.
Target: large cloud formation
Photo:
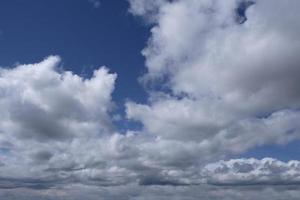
(50, 120)
(137, 192)
(223, 77)
(225, 83)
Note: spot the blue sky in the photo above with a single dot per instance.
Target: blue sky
(195, 97)
(81, 34)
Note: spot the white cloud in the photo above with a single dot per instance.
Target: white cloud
(147, 9)
(216, 131)
(52, 122)
(39, 102)
(56, 130)
(267, 171)
(227, 85)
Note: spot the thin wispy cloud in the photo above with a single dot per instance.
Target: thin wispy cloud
(95, 3)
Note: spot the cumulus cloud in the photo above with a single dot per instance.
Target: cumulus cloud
(38, 102)
(83, 147)
(50, 120)
(267, 171)
(56, 130)
(228, 79)
(222, 78)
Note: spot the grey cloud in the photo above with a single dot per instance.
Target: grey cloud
(42, 156)
(136, 192)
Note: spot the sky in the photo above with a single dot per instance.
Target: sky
(138, 99)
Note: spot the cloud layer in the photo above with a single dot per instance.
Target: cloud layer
(136, 192)
(223, 77)
(51, 142)
(239, 172)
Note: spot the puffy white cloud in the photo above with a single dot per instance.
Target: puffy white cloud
(147, 9)
(227, 72)
(53, 123)
(56, 130)
(227, 82)
(253, 172)
(38, 102)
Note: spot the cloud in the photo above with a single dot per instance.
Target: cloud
(227, 80)
(219, 84)
(147, 9)
(239, 172)
(40, 103)
(95, 3)
(136, 192)
(56, 130)
(50, 119)
(214, 131)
